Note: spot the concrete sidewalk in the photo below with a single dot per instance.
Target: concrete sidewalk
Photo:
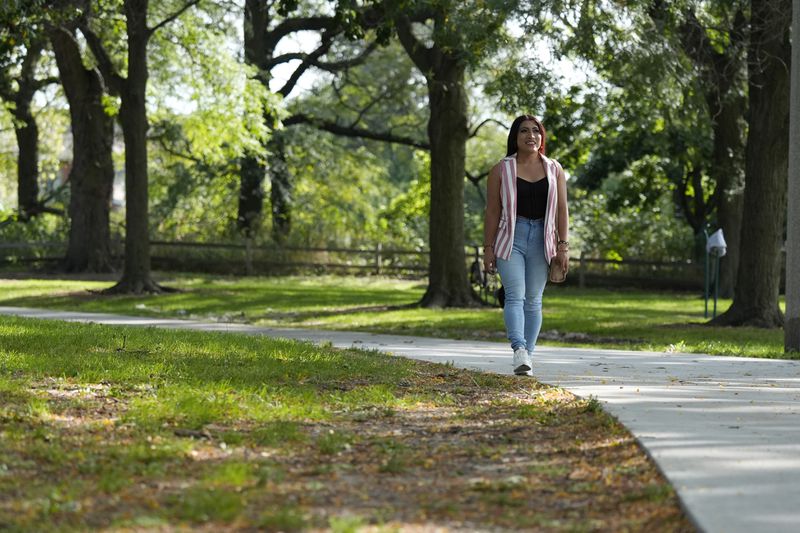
(725, 431)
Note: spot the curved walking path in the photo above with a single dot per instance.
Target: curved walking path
(725, 431)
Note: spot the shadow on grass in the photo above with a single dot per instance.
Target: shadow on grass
(253, 300)
(299, 316)
(255, 364)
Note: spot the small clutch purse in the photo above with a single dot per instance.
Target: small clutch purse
(556, 273)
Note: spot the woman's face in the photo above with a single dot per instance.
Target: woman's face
(529, 138)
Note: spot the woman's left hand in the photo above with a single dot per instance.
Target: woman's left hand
(563, 260)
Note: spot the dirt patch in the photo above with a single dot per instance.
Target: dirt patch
(496, 453)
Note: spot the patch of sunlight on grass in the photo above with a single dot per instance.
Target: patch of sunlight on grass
(631, 318)
(234, 474)
(372, 395)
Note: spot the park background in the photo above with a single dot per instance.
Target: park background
(357, 136)
(341, 127)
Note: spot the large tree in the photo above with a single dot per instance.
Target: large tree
(91, 175)
(718, 56)
(21, 45)
(132, 90)
(792, 326)
(755, 300)
(444, 69)
(444, 38)
(266, 25)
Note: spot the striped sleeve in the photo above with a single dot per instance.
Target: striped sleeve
(505, 235)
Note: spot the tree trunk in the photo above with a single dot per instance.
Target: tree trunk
(727, 165)
(448, 284)
(720, 73)
(280, 188)
(27, 134)
(92, 174)
(136, 277)
(792, 327)
(253, 168)
(251, 193)
(755, 300)
(443, 68)
(27, 160)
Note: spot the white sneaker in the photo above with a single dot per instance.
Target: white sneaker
(522, 362)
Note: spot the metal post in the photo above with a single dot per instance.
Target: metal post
(378, 259)
(582, 273)
(705, 275)
(716, 283)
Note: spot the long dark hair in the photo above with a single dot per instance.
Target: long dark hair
(511, 146)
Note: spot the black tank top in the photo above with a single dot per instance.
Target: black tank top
(532, 198)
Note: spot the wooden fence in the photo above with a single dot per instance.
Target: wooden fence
(252, 259)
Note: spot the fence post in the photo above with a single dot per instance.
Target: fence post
(378, 259)
(582, 272)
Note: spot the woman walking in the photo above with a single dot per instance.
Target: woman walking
(526, 228)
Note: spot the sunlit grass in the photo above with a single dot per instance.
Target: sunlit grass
(114, 427)
(623, 319)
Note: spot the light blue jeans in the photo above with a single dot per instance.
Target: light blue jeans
(524, 276)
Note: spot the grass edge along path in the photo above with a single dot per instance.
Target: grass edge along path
(599, 318)
(123, 428)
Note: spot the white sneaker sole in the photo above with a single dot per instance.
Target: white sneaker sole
(523, 370)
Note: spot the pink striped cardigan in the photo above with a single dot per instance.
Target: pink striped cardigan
(504, 240)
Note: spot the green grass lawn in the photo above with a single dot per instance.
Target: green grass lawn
(141, 429)
(629, 319)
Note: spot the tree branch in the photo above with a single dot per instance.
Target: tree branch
(370, 105)
(349, 131)
(333, 66)
(420, 55)
(113, 79)
(327, 41)
(296, 24)
(44, 82)
(336, 66)
(285, 58)
(178, 13)
(68, 55)
(479, 126)
(476, 181)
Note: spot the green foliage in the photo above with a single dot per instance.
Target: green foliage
(405, 221)
(632, 132)
(516, 84)
(8, 163)
(469, 30)
(46, 228)
(648, 228)
(221, 113)
(337, 197)
(53, 155)
(198, 140)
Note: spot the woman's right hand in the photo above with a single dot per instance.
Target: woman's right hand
(489, 260)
